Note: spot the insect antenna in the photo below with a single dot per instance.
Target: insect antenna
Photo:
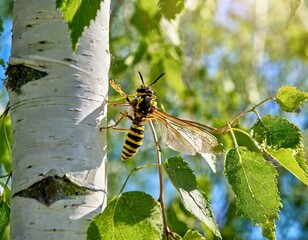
(156, 79)
(141, 78)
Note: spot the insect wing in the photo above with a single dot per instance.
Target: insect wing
(187, 137)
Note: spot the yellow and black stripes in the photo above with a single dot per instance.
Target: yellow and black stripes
(134, 140)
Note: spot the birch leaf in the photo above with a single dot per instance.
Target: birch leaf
(290, 98)
(132, 215)
(193, 199)
(276, 132)
(287, 158)
(254, 183)
(78, 15)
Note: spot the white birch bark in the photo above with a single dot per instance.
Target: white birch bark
(54, 120)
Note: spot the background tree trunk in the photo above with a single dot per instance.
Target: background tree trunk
(59, 157)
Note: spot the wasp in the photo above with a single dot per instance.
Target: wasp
(185, 136)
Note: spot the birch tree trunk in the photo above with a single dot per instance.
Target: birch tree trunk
(59, 154)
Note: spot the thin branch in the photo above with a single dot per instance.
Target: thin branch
(225, 128)
(2, 197)
(161, 180)
(6, 175)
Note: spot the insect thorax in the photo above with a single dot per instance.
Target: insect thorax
(143, 104)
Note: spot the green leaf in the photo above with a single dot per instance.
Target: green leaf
(254, 183)
(244, 139)
(131, 215)
(193, 235)
(268, 230)
(4, 217)
(290, 98)
(287, 158)
(276, 132)
(171, 8)
(193, 199)
(78, 15)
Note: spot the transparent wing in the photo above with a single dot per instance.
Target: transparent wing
(187, 137)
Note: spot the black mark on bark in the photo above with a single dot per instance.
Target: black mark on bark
(18, 75)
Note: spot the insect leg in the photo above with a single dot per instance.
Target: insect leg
(117, 104)
(121, 129)
(125, 114)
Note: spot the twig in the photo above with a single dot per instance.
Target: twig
(161, 180)
(2, 197)
(225, 128)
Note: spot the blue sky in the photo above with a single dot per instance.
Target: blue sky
(5, 49)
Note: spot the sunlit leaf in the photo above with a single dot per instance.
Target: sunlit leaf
(254, 183)
(287, 158)
(132, 215)
(78, 15)
(290, 98)
(193, 199)
(276, 132)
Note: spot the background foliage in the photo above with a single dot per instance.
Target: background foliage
(220, 58)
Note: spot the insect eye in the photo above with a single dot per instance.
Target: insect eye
(140, 90)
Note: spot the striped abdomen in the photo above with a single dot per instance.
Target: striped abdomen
(133, 140)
